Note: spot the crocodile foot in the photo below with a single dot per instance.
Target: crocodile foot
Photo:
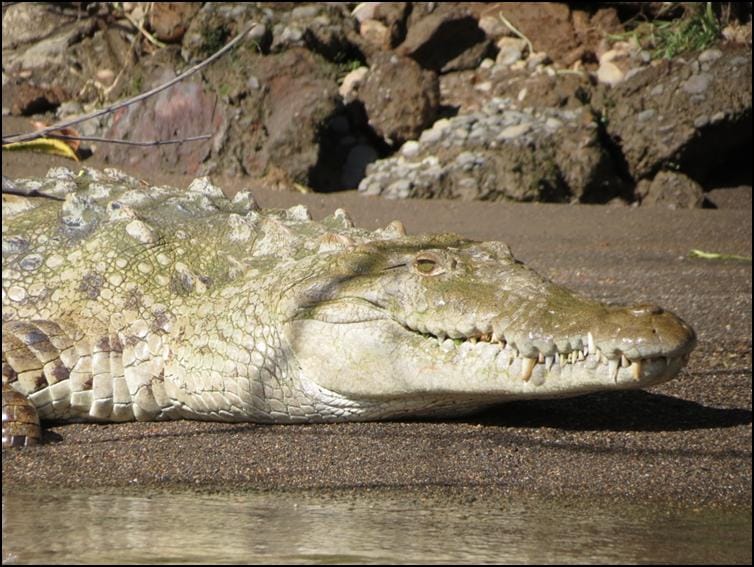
(20, 420)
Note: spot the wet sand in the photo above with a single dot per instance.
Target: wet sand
(688, 441)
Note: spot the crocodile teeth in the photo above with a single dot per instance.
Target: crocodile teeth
(612, 369)
(590, 344)
(624, 362)
(636, 370)
(527, 365)
(549, 361)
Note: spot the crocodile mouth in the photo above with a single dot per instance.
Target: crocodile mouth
(508, 358)
(583, 355)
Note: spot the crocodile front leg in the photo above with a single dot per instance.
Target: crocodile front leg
(55, 370)
(21, 426)
(34, 355)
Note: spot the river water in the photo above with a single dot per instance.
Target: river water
(393, 527)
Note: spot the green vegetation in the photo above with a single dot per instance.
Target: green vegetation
(346, 66)
(137, 83)
(213, 39)
(224, 90)
(696, 30)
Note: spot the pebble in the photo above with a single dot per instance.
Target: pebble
(697, 84)
(609, 73)
(514, 131)
(431, 136)
(701, 121)
(399, 189)
(352, 81)
(410, 148)
(508, 56)
(464, 158)
(709, 55)
(535, 59)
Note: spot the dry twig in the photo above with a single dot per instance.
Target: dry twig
(515, 30)
(130, 142)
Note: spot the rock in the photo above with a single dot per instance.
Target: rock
(170, 20)
(493, 26)
(185, 109)
(697, 84)
(393, 15)
(327, 29)
(445, 40)
(669, 116)
(510, 50)
(27, 23)
(609, 73)
(364, 11)
(709, 55)
(670, 189)
(274, 130)
(619, 62)
(547, 25)
(39, 43)
(351, 83)
(500, 152)
(299, 97)
(375, 33)
(738, 33)
(400, 98)
(410, 149)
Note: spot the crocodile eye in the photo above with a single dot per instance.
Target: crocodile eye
(425, 265)
(428, 264)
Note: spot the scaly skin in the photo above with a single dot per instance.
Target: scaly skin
(126, 302)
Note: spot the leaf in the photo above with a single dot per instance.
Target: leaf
(694, 253)
(44, 145)
(72, 132)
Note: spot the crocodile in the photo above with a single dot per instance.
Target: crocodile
(124, 301)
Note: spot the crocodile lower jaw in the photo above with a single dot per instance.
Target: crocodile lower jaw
(510, 360)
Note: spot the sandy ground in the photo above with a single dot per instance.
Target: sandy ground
(686, 441)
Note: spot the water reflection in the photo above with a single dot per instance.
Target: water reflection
(85, 527)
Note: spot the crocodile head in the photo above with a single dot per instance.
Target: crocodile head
(439, 324)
